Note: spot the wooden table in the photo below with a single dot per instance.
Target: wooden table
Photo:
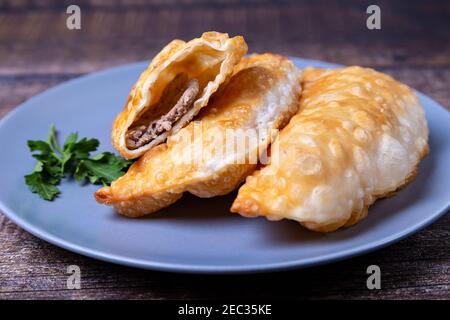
(37, 51)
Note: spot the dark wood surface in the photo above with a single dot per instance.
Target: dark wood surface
(38, 52)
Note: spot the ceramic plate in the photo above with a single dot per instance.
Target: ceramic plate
(194, 235)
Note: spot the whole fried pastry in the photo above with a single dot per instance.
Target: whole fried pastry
(171, 91)
(261, 95)
(359, 135)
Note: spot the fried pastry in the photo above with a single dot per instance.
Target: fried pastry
(202, 159)
(359, 135)
(171, 91)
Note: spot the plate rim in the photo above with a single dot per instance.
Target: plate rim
(224, 269)
(199, 268)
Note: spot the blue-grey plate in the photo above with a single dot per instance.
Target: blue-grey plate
(194, 235)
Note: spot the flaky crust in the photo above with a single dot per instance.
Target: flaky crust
(210, 58)
(261, 95)
(359, 135)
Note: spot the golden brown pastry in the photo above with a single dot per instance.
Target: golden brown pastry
(172, 90)
(359, 135)
(202, 158)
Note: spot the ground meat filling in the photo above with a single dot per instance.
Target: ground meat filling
(181, 94)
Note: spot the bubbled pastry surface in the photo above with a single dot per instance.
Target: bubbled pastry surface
(359, 135)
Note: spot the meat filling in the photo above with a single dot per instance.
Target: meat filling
(180, 94)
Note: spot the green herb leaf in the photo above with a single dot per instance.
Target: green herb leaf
(70, 141)
(40, 183)
(103, 168)
(53, 162)
(82, 148)
(39, 145)
(37, 184)
(52, 140)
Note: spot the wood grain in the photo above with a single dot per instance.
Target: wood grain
(38, 52)
(417, 267)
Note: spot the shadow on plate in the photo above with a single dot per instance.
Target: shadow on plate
(190, 208)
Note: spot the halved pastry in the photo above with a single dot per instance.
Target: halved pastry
(172, 90)
(214, 153)
(359, 135)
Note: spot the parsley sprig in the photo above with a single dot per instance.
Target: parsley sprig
(73, 159)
